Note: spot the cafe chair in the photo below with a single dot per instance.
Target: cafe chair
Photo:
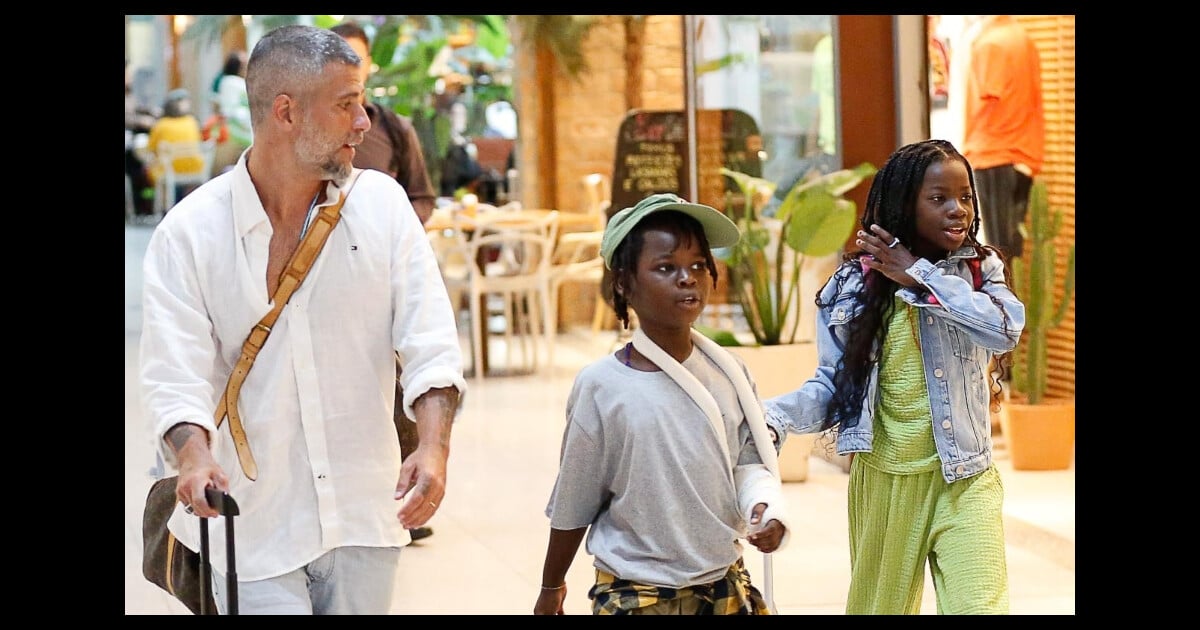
(453, 256)
(597, 196)
(168, 155)
(576, 260)
(511, 268)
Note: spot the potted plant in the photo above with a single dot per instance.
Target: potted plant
(767, 269)
(813, 221)
(1039, 428)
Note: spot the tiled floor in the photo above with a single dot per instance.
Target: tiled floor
(485, 556)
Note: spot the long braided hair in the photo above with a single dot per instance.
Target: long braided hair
(891, 204)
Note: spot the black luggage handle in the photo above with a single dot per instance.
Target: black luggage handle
(221, 502)
(227, 507)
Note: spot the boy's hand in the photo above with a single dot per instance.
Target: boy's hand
(766, 538)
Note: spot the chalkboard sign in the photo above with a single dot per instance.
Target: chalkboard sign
(652, 158)
(652, 155)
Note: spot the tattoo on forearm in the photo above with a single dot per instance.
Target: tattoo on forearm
(444, 402)
(444, 434)
(178, 435)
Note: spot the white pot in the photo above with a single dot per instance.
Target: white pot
(778, 370)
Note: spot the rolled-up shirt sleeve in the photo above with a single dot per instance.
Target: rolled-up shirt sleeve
(425, 330)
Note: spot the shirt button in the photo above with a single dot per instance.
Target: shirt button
(938, 372)
(929, 320)
(945, 424)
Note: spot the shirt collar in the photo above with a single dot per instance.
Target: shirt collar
(248, 211)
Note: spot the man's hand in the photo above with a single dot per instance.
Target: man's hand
(197, 468)
(422, 483)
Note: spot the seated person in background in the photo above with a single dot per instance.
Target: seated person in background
(501, 121)
(137, 121)
(459, 170)
(225, 150)
(177, 124)
(229, 123)
(230, 101)
(460, 166)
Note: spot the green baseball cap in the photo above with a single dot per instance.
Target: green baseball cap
(718, 228)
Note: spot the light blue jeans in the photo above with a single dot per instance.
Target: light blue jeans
(344, 581)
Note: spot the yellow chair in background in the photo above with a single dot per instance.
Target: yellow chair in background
(176, 162)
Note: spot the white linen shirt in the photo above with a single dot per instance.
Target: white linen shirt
(317, 404)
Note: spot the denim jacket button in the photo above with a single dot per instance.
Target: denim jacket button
(960, 469)
(938, 372)
(945, 424)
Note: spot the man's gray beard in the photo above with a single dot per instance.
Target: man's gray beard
(341, 174)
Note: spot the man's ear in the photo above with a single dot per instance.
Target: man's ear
(282, 110)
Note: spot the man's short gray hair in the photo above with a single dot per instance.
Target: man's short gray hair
(289, 60)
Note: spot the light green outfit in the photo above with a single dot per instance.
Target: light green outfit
(902, 512)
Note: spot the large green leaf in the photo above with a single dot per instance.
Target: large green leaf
(563, 36)
(494, 36)
(845, 180)
(820, 223)
(383, 46)
(325, 21)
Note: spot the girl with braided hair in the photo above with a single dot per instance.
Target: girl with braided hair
(908, 328)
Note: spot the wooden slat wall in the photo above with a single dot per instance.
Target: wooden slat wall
(1055, 39)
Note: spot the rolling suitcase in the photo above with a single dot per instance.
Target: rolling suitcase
(227, 507)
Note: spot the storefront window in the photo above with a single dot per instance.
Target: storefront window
(779, 71)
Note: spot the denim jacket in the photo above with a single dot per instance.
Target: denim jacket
(961, 329)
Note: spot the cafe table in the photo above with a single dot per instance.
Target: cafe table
(455, 218)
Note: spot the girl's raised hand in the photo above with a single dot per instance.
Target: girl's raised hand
(887, 255)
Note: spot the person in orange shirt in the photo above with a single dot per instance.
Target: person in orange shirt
(1003, 126)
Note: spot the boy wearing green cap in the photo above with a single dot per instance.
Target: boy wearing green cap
(666, 459)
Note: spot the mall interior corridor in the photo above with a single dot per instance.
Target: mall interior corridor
(490, 535)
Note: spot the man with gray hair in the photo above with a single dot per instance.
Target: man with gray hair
(325, 496)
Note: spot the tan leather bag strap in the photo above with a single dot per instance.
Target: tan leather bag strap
(297, 268)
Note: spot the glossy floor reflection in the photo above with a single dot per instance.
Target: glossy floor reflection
(485, 556)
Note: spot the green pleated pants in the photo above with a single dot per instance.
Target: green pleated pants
(897, 522)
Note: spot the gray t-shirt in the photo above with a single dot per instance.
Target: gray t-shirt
(641, 464)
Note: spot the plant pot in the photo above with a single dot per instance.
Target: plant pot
(777, 370)
(1041, 436)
